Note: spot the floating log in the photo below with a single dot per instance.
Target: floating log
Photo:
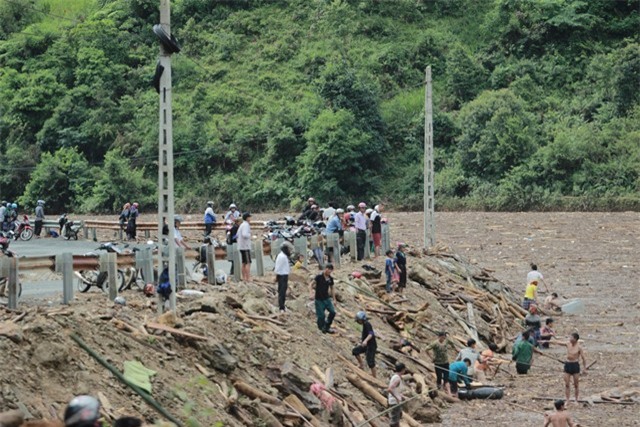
(254, 393)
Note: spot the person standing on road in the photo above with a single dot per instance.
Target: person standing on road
(124, 219)
(209, 218)
(39, 218)
(367, 345)
(534, 274)
(321, 289)
(572, 365)
(395, 397)
(361, 229)
(244, 245)
(440, 358)
(131, 225)
(232, 214)
(232, 238)
(282, 270)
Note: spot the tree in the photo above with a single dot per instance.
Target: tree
(63, 179)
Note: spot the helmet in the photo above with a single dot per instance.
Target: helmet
(82, 411)
(177, 218)
(120, 301)
(311, 199)
(221, 277)
(362, 205)
(233, 206)
(14, 206)
(339, 210)
(361, 315)
(40, 202)
(149, 289)
(351, 208)
(314, 206)
(209, 203)
(135, 205)
(368, 211)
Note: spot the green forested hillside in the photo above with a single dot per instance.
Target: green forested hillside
(536, 103)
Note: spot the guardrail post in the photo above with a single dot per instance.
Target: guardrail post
(353, 245)
(259, 260)
(108, 263)
(275, 247)
(86, 233)
(367, 245)
(146, 234)
(333, 242)
(386, 238)
(315, 244)
(9, 269)
(300, 244)
(120, 233)
(64, 265)
(94, 234)
(180, 273)
(237, 263)
(211, 265)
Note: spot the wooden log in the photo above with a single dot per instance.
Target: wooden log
(268, 319)
(472, 322)
(266, 417)
(362, 374)
(297, 406)
(254, 393)
(174, 331)
(369, 391)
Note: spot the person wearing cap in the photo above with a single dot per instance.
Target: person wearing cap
(232, 214)
(395, 397)
(376, 229)
(209, 218)
(306, 210)
(560, 418)
(440, 358)
(368, 344)
(321, 289)
(244, 245)
(361, 229)
(282, 270)
(349, 217)
(401, 265)
(314, 214)
(39, 218)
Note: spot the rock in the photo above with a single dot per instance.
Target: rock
(11, 331)
(219, 358)
(296, 382)
(206, 304)
(168, 319)
(257, 306)
(11, 419)
(50, 354)
(426, 414)
(232, 302)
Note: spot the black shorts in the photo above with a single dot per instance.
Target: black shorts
(572, 368)
(246, 256)
(522, 368)
(370, 351)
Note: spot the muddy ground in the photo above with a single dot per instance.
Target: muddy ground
(591, 256)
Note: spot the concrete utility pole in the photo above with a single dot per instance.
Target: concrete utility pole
(166, 253)
(429, 212)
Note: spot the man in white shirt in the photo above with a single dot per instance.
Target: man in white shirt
(534, 274)
(395, 397)
(176, 233)
(282, 270)
(244, 244)
(361, 229)
(329, 212)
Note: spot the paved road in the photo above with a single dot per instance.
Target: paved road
(46, 285)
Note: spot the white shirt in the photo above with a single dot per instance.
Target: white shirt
(534, 275)
(282, 268)
(398, 390)
(177, 235)
(328, 213)
(244, 236)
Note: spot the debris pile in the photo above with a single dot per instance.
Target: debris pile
(228, 357)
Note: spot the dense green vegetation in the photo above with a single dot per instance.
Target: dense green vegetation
(536, 102)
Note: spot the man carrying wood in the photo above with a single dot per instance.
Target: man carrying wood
(368, 344)
(559, 418)
(572, 365)
(440, 358)
(395, 397)
(321, 289)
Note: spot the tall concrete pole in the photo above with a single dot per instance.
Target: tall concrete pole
(429, 211)
(166, 252)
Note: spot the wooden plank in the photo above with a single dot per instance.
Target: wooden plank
(472, 321)
(175, 331)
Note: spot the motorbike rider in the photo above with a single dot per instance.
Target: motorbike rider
(3, 209)
(10, 216)
(82, 411)
(232, 214)
(308, 208)
(39, 218)
(209, 218)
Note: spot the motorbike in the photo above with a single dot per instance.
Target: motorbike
(23, 230)
(68, 228)
(135, 276)
(97, 278)
(5, 239)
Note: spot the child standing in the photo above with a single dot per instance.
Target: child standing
(401, 264)
(389, 269)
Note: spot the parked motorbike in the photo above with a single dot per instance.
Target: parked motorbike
(100, 279)
(5, 239)
(23, 230)
(69, 229)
